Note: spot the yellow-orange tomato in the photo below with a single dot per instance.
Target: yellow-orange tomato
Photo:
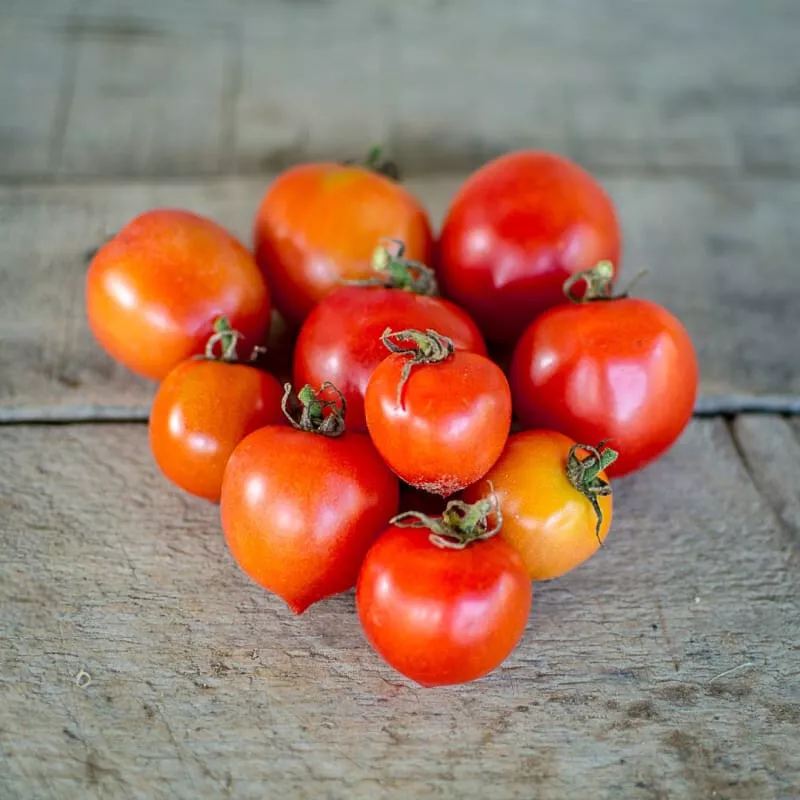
(319, 224)
(154, 291)
(549, 522)
(201, 411)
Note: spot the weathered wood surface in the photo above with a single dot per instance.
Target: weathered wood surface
(722, 256)
(664, 667)
(162, 87)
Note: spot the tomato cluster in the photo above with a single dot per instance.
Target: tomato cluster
(394, 466)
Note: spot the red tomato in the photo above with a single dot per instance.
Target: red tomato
(300, 508)
(154, 290)
(516, 230)
(443, 424)
(438, 613)
(622, 370)
(548, 493)
(202, 410)
(318, 225)
(341, 339)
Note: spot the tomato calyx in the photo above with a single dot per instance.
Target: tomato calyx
(395, 272)
(375, 161)
(228, 340)
(311, 412)
(599, 284)
(460, 524)
(422, 347)
(584, 475)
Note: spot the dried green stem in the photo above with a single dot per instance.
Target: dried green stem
(599, 283)
(226, 338)
(392, 271)
(584, 475)
(375, 161)
(309, 411)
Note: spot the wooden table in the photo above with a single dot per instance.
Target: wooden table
(137, 661)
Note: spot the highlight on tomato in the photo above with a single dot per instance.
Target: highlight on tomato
(318, 223)
(340, 340)
(515, 231)
(439, 416)
(556, 499)
(611, 368)
(443, 600)
(154, 290)
(205, 407)
(302, 503)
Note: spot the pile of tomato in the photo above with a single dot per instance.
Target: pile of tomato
(390, 461)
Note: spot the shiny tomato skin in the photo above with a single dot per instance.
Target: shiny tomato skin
(300, 510)
(340, 340)
(154, 291)
(450, 425)
(442, 616)
(515, 231)
(623, 370)
(201, 411)
(545, 519)
(319, 224)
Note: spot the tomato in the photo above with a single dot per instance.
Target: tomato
(548, 492)
(318, 225)
(623, 370)
(340, 340)
(516, 230)
(300, 507)
(439, 417)
(155, 289)
(204, 408)
(442, 610)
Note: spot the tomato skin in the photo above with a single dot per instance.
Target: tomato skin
(515, 231)
(154, 290)
(201, 411)
(450, 426)
(442, 616)
(545, 519)
(340, 340)
(319, 224)
(300, 510)
(623, 370)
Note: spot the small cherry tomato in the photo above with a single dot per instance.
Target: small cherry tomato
(204, 408)
(556, 500)
(340, 340)
(154, 290)
(516, 230)
(622, 370)
(317, 226)
(301, 505)
(439, 416)
(444, 605)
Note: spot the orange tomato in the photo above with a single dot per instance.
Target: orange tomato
(154, 291)
(201, 411)
(545, 518)
(319, 224)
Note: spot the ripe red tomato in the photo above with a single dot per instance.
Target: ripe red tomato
(439, 417)
(620, 370)
(547, 487)
(154, 290)
(300, 508)
(340, 340)
(516, 230)
(203, 409)
(318, 225)
(438, 612)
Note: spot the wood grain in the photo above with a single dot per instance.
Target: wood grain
(721, 255)
(155, 88)
(664, 667)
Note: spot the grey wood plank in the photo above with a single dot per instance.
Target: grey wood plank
(619, 86)
(721, 255)
(664, 667)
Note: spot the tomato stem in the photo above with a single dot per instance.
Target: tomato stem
(460, 524)
(599, 283)
(226, 338)
(428, 347)
(584, 475)
(309, 411)
(395, 272)
(374, 161)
